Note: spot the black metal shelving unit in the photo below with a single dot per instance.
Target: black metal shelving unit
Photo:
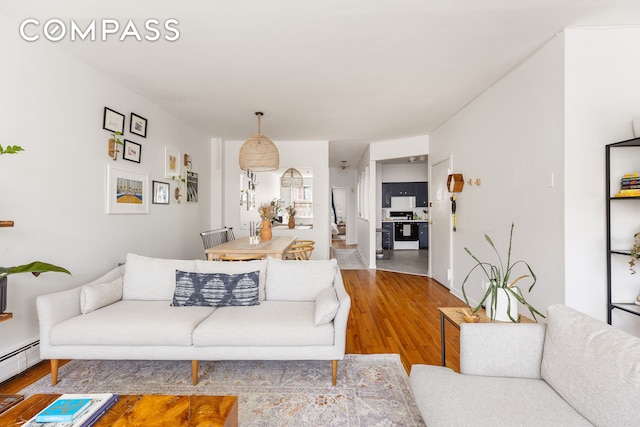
(629, 308)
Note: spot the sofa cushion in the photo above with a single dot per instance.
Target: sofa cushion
(326, 306)
(299, 280)
(272, 323)
(593, 366)
(446, 398)
(136, 323)
(152, 279)
(215, 289)
(98, 295)
(235, 268)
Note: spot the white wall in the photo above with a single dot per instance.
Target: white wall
(511, 137)
(602, 99)
(405, 172)
(52, 105)
(312, 154)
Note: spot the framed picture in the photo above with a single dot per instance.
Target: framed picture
(160, 192)
(132, 151)
(171, 163)
(113, 121)
(127, 191)
(192, 186)
(138, 125)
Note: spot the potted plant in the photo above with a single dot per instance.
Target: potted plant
(34, 268)
(500, 285)
(292, 216)
(114, 141)
(11, 149)
(635, 253)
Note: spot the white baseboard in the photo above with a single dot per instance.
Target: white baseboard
(19, 360)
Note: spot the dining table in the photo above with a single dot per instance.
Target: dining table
(275, 248)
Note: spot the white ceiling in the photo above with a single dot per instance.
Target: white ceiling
(347, 71)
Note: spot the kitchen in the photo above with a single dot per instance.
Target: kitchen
(402, 241)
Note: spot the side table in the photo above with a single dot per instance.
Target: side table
(454, 316)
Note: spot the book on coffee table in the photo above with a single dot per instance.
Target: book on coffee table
(63, 410)
(99, 404)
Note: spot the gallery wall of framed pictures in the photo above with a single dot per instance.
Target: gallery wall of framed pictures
(127, 190)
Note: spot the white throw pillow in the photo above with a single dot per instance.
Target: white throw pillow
(299, 280)
(98, 295)
(326, 306)
(152, 279)
(237, 268)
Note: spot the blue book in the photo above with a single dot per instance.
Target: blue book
(62, 410)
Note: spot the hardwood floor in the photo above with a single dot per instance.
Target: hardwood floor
(390, 313)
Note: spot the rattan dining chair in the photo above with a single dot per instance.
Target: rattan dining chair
(300, 252)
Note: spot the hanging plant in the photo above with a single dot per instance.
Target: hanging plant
(635, 252)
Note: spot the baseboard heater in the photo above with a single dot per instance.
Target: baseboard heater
(19, 360)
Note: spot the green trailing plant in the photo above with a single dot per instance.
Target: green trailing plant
(11, 149)
(635, 253)
(499, 280)
(116, 137)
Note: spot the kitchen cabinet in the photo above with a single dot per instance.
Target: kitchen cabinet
(387, 238)
(422, 194)
(405, 189)
(621, 158)
(423, 235)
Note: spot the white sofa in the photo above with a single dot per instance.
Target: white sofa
(295, 310)
(573, 371)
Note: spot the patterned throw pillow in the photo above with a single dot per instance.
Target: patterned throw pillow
(215, 289)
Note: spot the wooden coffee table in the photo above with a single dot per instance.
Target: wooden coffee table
(144, 410)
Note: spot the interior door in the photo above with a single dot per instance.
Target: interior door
(441, 233)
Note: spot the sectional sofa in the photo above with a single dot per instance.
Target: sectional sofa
(164, 309)
(573, 371)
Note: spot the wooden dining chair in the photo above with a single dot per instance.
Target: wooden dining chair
(241, 257)
(300, 252)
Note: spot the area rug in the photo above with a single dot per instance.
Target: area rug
(372, 390)
(348, 259)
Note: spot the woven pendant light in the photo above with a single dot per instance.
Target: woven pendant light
(291, 178)
(259, 153)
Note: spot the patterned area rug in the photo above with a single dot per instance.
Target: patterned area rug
(372, 390)
(348, 259)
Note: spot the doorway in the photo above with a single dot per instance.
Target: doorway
(339, 216)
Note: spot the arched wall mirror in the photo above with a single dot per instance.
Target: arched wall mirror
(257, 188)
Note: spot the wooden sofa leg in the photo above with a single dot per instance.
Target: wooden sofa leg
(334, 372)
(194, 371)
(54, 371)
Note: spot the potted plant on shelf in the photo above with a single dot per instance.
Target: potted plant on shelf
(292, 216)
(501, 292)
(34, 268)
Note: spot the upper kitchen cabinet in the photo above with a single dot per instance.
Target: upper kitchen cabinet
(419, 190)
(422, 194)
